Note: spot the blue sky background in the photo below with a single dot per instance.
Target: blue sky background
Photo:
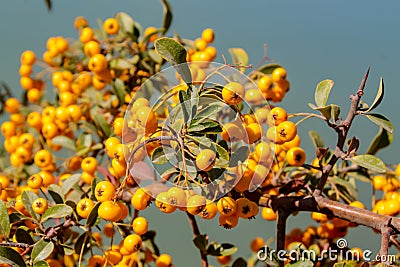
(313, 40)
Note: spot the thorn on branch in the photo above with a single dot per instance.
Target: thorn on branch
(360, 91)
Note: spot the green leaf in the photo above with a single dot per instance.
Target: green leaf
(316, 139)
(154, 56)
(378, 97)
(174, 53)
(57, 211)
(100, 121)
(23, 236)
(381, 140)
(160, 156)
(303, 263)
(185, 102)
(167, 16)
(42, 250)
(95, 181)
(56, 193)
(370, 162)
(381, 121)
(239, 155)
(82, 150)
(201, 242)
(12, 257)
(269, 68)
(346, 184)
(208, 126)
(4, 220)
(239, 262)
(27, 198)
(82, 243)
(64, 141)
(92, 219)
(120, 64)
(227, 249)
(322, 92)
(69, 183)
(41, 263)
(239, 57)
(210, 110)
(331, 111)
(119, 89)
(126, 22)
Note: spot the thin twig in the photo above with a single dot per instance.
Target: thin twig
(196, 233)
(342, 131)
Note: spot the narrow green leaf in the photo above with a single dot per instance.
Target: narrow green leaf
(303, 263)
(174, 53)
(82, 150)
(381, 140)
(42, 250)
(119, 89)
(57, 211)
(160, 156)
(100, 121)
(378, 97)
(239, 57)
(269, 68)
(346, 184)
(12, 257)
(167, 16)
(82, 243)
(359, 176)
(92, 218)
(370, 162)
(120, 64)
(64, 141)
(239, 155)
(69, 183)
(41, 263)
(126, 22)
(228, 249)
(4, 220)
(23, 236)
(316, 139)
(154, 56)
(201, 242)
(185, 105)
(322, 92)
(335, 112)
(95, 181)
(56, 193)
(27, 198)
(381, 121)
(210, 111)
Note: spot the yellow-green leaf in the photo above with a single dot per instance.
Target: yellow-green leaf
(322, 92)
(370, 162)
(4, 220)
(41, 250)
(57, 211)
(378, 97)
(381, 121)
(239, 57)
(12, 257)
